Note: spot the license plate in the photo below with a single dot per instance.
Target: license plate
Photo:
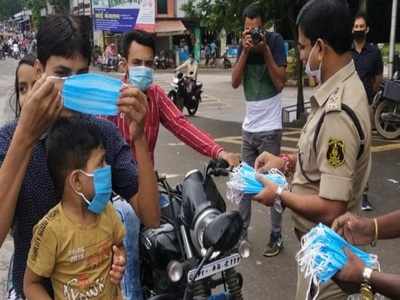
(216, 267)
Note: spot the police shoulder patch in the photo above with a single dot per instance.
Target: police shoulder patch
(334, 102)
(335, 153)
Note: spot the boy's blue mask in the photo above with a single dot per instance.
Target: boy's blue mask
(102, 189)
(92, 94)
(141, 77)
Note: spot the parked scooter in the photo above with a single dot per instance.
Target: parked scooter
(196, 248)
(226, 62)
(386, 106)
(111, 64)
(2, 54)
(160, 62)
(186, 92)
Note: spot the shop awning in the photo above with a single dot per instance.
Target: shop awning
(170, 27)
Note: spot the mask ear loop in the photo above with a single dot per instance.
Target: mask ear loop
(80, 193)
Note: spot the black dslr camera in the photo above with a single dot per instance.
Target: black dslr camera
(257, 35)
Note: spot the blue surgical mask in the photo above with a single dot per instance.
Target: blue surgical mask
(322, 255)
(102, 189)
(92, 94)
(141, 77)
(243, 181)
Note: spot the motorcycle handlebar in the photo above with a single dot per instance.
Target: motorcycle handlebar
(218, 167)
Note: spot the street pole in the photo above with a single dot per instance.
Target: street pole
(392, 38)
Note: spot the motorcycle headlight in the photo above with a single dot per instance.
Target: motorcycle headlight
(205, 218)
(175, 271)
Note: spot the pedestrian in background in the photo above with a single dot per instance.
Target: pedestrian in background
(369, 66)
(261, 67)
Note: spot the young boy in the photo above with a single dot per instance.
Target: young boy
(72, 244)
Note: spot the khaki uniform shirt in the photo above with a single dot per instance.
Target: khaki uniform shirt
(332, 166)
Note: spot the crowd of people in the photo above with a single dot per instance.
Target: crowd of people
(59, 168)
(18, 45)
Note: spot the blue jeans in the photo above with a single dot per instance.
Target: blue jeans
(131, 285)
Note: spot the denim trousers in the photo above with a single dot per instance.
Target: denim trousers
(130, 284)
(253, 145)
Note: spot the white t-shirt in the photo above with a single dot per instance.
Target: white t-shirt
(264, 115)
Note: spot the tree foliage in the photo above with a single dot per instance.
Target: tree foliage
(10, 7)
(218, 14)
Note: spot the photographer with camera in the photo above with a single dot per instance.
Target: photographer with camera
(261, 67)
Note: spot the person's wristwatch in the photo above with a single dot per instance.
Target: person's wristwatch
(366, 289)
(366, 275)
(279, 191)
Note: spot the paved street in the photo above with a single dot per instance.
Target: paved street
(221, 114)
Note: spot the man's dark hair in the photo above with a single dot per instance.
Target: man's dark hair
(361, 15)
(329, 20)
(69, 145)
(65, 36)
(253, 11)
(139, 36)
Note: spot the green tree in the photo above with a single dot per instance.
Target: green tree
(9, 7)
(218, 14)
(35, 6)
(60, 6)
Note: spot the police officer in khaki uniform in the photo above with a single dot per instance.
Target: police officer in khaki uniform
(333, 161)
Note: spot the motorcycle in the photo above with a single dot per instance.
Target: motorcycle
(386, 107)
(110, 65)
(16, 54)
(160, 62)
(227, 63)
(186, 92)
(196, 248)
(2, 54)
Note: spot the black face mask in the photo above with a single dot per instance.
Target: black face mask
(359, 35)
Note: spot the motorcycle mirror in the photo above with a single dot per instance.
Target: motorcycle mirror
(223, 233)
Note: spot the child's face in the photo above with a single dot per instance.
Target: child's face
(27, 76)
(84, 183)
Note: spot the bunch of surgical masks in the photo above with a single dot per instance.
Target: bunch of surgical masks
(92, 93)
(322, 255)
(243, 181)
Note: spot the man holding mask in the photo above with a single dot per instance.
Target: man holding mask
(138, 49)
(333, 161)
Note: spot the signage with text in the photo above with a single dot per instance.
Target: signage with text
(115, 19)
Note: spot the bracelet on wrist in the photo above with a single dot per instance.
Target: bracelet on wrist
(366, 292)
(376, 233)
(288, 168)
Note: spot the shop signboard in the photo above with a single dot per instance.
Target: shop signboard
(115, 19)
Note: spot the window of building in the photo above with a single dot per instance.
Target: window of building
(162, 7)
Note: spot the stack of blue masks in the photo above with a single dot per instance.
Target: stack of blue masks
(92, 94)
(243, 182)
(322, 255)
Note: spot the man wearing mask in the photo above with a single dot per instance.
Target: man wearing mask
(333, 161)
(138, 51)
(369, 66)
(191, 67)
(261, 68)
